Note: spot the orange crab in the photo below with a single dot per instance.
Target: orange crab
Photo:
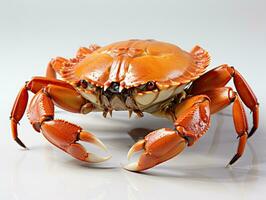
(138, 76)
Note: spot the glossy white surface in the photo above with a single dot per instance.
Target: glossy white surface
(32, 33)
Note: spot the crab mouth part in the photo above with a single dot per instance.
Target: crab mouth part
(113, 99)
(114, 103)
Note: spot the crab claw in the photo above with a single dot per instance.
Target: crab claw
(90, 138)
(66, 135)
(158, 146)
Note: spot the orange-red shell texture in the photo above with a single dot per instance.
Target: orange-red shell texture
(136, 62)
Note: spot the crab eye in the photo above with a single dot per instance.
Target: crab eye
(150, 85)
(83, 83)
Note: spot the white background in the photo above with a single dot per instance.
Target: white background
(32, 32)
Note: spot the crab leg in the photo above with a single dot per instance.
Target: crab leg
(61, 133)
(17, 113)
(222, 97)
(241, 126)
(20, 104)
(219, 77)
(192, 120)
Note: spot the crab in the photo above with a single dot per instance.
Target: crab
(138, 76)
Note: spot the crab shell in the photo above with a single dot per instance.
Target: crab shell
(135, 62)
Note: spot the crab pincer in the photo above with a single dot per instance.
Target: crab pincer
(55, 132)
(158, 146)
(62, 134)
